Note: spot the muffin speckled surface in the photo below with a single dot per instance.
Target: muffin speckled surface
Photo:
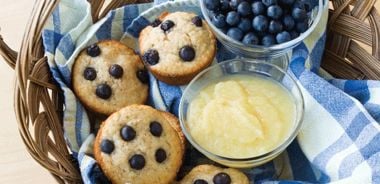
(177, 46)
(204, 174)
(108, 75)
(140, 145)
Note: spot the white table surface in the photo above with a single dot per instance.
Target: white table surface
(16, 165)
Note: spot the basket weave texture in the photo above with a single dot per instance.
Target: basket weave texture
(353, 28)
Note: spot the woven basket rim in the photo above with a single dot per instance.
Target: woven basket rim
(38, 101)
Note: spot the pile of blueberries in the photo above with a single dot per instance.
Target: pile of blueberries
(261, 22)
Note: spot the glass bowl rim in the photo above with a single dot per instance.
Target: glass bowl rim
(278, 149)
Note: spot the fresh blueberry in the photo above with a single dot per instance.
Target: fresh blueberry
(274, 12)
(235, 33)
(214, 13)
(234, 4)
(294, 34)
(287, 2)
(299, 14)
(151, 57)
(260, 23)
(299, 4)
(116, 71)
(127, 133)
(89, 73)
(258, 8)
(197, 21)
(288, 22)
(107, 146)
(103, 91)
(268, 40)
(311, 3)
(283, 37)
(212, 4)
(187, 53)
(155, 128)
(137, 162)
(303, 4)
(221, 178)
(244, 8)
(93, 50)
(245, 24)
(143, 76)
(232, 18)
(275, 26)
(167, 25)
(251, 39)
(302, 26)
(224, 5)
(160, 155)
(269, 2)
(219, 21)
(200, 181)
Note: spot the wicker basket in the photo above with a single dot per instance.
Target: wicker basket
(354, 27)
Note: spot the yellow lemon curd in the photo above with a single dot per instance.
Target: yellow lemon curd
(241, 116)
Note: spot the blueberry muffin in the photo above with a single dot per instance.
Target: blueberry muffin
(209, 174)
(177, 46)
(140, 145)
(108, 75)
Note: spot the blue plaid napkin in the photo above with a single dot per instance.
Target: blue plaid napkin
(340, 139)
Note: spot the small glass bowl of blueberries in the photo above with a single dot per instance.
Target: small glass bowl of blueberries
(261, 28)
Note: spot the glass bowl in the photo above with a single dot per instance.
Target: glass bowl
(246, 67)
(257, 51)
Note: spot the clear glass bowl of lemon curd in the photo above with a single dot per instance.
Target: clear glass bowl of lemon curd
(241, 113)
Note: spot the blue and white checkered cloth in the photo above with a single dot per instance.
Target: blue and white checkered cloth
(340, 139)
